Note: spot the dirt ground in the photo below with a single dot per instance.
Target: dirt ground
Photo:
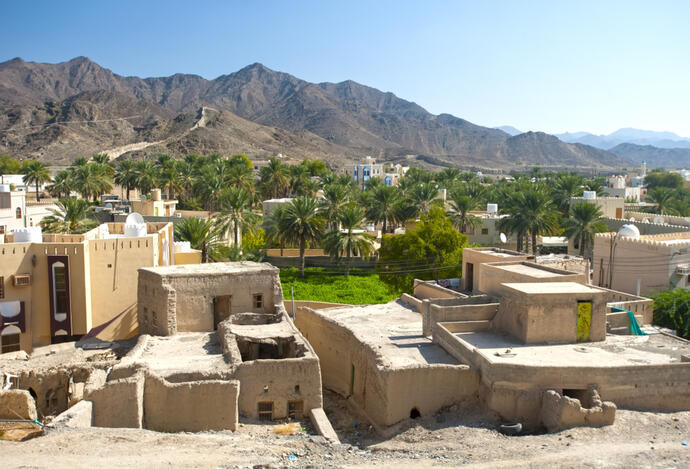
(451, 438)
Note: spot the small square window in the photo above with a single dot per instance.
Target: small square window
(265, 410)
(485, 231)
(258, 301)
(295, 409)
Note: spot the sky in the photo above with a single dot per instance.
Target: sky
(553, 66)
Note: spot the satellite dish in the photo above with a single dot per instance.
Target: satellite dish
(503, 238)
(134, 219)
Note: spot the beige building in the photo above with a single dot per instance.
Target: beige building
(18, 212)
(642, 265)
(58, 287)
(154, 206)
(611, 207)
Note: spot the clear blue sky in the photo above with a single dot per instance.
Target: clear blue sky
(537, 65)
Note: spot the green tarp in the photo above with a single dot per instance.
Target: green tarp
(634, 326)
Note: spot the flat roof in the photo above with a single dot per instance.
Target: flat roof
(184, 352)
(550, 288)
(394, 331)
(531, 270)
(616, 350)
(211, 268)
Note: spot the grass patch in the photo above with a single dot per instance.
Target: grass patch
(318, 284)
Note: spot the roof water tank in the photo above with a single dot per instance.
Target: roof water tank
(32, 234)
(589, 195)
(4, 188)
(492, 209)
(629, 231)
(183, 246)
(135, 230)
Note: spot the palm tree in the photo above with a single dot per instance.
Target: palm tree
(235, 213)
(61, 185)
(272, 227)
(584, 222)
(336, 197)
(126, 175)
(382, 206)
(302, 224)
(423, 195)
(72, 216)
(275, 179)
(203, 235)
(168, 178)
(564, 188)
(35, 172)
(541, 213)
(147, 176)
(663, 197)
(462, 204)
(349, 240)
(91, 180)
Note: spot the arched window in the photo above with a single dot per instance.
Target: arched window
(19, 213)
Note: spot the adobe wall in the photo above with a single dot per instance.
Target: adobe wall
(652, 263)
(534, 319)
(118, 403)
(386, 395)
(469, 312)
(279, 381)
(515, 391)
(17, 404)
(640, 306)
(287, 304)
(185, 303)
(491, 276)
(478, 256)
(190, 406)
(424, 290)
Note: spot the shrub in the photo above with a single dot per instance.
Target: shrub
(672, 310)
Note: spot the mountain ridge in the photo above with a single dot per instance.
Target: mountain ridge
(342, 121)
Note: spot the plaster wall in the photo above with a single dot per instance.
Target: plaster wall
(548, 318)
(119, 403)
(493, 276)
(425, 290)
(470, 312)
(478, 256)
(190, 406)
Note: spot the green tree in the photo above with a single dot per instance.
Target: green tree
(349, 240)
(335, 199)
(663, 197)
(71, 216)
(461, 205)
(91, 180)
(275, 179)
(585, 220)
(302, 223)
(35, 172)
(126, 175)
(62, 184)
(203, 235)
(565, 187)
(8, 165)
(672, 310)
(432, 250)
(147, 176)
(423, 195)
(235, 216)
(382, 206)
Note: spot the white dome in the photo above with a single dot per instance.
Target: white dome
(629, 231)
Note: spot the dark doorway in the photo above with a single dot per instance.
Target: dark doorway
(221, 309)
(469, 277)
(414, 413)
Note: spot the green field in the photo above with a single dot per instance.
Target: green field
(362, 287)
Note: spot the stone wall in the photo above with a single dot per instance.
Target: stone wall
(17, 404)
(118, 403)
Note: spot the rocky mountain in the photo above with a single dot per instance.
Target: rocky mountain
(655, 157)
(509, 129)
(627, 135)
(255, 110)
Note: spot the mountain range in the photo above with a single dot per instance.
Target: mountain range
(58, 112)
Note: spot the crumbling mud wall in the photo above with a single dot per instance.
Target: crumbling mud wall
(559, 412)
(385, 394)
(17, 404)
(190, 406)
(118, 403)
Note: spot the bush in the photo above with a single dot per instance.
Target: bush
(672, 310)
(319, 284)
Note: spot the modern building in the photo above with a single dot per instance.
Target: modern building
(18, 212)
(58, 287)
(362, 172)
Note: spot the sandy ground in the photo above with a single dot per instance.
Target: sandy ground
(452, 438)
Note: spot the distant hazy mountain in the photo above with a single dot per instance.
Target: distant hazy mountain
(627, 135)
(678, 158)
(254, 110)
(509, 129)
